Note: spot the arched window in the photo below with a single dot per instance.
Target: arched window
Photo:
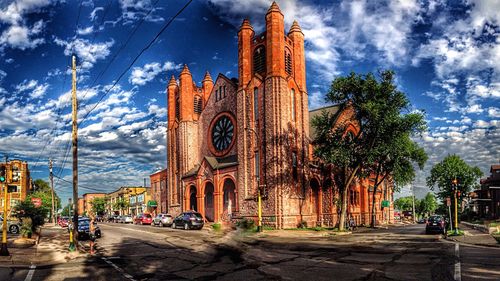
(255, 104)
(293, 105)
(288, 62)
(295, 173)
(259, 60)
(197, 104)
(177, 109)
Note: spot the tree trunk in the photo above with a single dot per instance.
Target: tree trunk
(374, 215)
(344, 209)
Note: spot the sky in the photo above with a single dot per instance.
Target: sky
(446, 55)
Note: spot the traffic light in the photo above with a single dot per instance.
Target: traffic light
(3, 174)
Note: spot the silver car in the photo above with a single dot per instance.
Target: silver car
(126, 219)
(13, 226)
(162, 220)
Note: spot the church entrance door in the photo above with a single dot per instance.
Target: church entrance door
(193, 205)
(209, 201)
(229, 199)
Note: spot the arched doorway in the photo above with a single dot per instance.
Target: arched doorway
(193, 204)
(209, 201)
(315, 200)
(229, 196)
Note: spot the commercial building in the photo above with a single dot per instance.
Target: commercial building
(159, 190)
(87, 201)
(17, 181)
(128, 200)
(486, 201)
(229, 138)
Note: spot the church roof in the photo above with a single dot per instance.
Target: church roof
(333, 109)
(216, 163)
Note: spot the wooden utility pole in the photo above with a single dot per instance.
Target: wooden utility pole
(4, 251)
(52, 191)
(74, 106)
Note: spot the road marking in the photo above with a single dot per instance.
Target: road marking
(126, 275)
(30, 273)
(458, 275)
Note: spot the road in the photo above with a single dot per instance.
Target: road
(135, 252)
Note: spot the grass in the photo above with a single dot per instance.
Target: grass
(317, 228)
(216, 226)
(494, 224)
(452, 233)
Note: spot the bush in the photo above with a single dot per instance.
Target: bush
(26, 209)
(26, 227)
(246, 224)
(216, 226)
(302, 224)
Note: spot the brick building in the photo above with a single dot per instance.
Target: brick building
(87, 201)
(18, 182)
(159, 191)
(228, 137)
(486, 200)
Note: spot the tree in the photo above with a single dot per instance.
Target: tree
(98, 206)
(43, 191)
(66, 210)
(450, 168)
(121, 204)
(428, 204)
(381, 147)
(404, 203)
(36, 214)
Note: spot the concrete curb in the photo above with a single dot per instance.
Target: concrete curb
(472, 244)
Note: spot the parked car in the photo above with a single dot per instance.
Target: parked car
(126, 219)
(63, 221)
(84, 229)
(162, 220)
(188, 220)
(116, 218)
(143, 219)
(435, 224)
(13, 226)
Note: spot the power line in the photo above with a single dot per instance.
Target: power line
(136, 58)
(79, 185)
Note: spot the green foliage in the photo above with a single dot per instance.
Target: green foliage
(65, 211)
(98, 206)
(428, 205)
(26, 227)
(453, 167)
(383, 146)
(246, 224)
(404, 203)
(27, 209)
(42, 190)
(452, 233)
(121, 204)
(216, 226)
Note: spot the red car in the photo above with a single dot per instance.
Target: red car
(143, 219)
(63, 221)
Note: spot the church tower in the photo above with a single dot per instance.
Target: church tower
(273, 114)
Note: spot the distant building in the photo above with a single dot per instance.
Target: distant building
(87, 201)
(486, 201)
(18, 183)
(81, 206)
(159, 190)
(128, 200)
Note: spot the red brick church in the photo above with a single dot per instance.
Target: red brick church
(228, 137)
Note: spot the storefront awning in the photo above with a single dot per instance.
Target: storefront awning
(152, 203)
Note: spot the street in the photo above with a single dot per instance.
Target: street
(141, 252)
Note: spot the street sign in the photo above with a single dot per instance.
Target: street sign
(37, 202)
(386, 203)
(448, 201)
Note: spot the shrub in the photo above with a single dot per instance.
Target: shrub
(302, 224)
(216, 226)
(26, 227)
(37, 215)
(246, 224)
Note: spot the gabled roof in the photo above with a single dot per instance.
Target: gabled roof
(333, 109)
(216, 163)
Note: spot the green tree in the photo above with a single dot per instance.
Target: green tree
(65, 211)
(453, 167)
(428, 204)
(43, 191)
(382, 147)
(36, 214)
(98, 206)
(404, 203)
(121, 204)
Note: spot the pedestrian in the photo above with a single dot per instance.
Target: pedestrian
(92, 236)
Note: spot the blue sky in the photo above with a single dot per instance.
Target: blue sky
(446, 55)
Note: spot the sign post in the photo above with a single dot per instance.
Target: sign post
(448, 203)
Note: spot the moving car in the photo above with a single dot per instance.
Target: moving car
(126, 219)
(63, 221)
(13, 226)
(435, 224)
(84, 229)
(188, 220)
(143, 219)
(163, 220)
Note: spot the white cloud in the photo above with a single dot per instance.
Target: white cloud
(85, 31)
(93, 14)
(87, 53)
(35, 90)
(142, 75)
(132, 10)
(494, 112)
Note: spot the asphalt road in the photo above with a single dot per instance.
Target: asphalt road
(135, 252)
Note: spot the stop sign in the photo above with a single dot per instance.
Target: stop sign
(37, 202)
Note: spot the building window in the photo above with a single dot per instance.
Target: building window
(177, 109)
(288, 63)
(259, 60)
(197, 104)
(294, 165)
(255, 104)
(293, 105)
(224, 87)
(216, 95)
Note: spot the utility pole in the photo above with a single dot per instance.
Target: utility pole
(413, 197)
(52, 191)
(3, 250)
(74, 106)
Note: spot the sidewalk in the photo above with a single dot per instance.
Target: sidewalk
(52, 248)
(474, 237)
